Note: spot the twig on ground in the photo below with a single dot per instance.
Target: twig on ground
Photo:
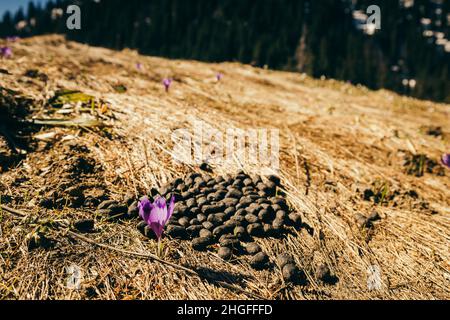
(142, 256)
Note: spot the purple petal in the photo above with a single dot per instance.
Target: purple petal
(171, 207)
(145, 208)
(158, 220)
(160, 202)
(446, 160)
(157, 229)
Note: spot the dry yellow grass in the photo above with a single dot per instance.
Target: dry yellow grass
(348, 137)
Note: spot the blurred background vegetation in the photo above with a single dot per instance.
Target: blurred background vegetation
(410, 54)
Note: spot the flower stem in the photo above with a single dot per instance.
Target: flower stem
(159, 252)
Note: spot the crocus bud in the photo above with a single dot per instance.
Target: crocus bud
(167, 83)
(6, 52)
(446, 160)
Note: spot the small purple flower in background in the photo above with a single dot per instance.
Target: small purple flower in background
(446, 160)
(6, 52)
(139, 66)
(219, 77)
(156, 215)
(167, 83)
(13, 39)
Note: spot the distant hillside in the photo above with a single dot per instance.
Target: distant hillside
(321, 38)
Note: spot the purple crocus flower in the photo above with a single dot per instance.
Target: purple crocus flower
(139, 66)
(12, 39)
(6, 52)
(446, 160)
(219, 76)
(157, 214)
(167, 83)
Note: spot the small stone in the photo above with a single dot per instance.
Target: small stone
(268, 230)
(225, 253)
(280, 201)
(284, 259)
(118, 210)
(259, 261)
(176, 232)
(362, 221)
(141, 226)
(234, 193)
(237, 184)
(129, 199)
(178, 197)
(240, 220)
(199, 179)
(75, 191)
(205, 233)
(255, 229)
(193, 212)
(202, 201)
(201, 218)
(200, 244)
(323, 272)
(193, 231)
(254, 209)
(218, 231)
(179, 209)
(295, 219)
(186, 195)
(232, 243)
(290, 273)
(208, 209)
(368, 194)
(247, 182)
(207, 225)
(278, 224)
(182, 187)
(47, 203)
(274, 179)
(177, 181)
(251, 218)
(188, 181)
(230, 224)
(106, 204)
(281, 215)
(230, 202)
(253, 248)
(205, 167)
(133, 211)
(265, 215)
(256, 180)
(211, 197)
(374, 216)
(229, 212)
(190, 203)
(245, 201)
(276, 207)
(240, 232)
(194, 222)
(263, 200)
(184, 222)
(173, 220)
(215, 219)
(84, 225)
